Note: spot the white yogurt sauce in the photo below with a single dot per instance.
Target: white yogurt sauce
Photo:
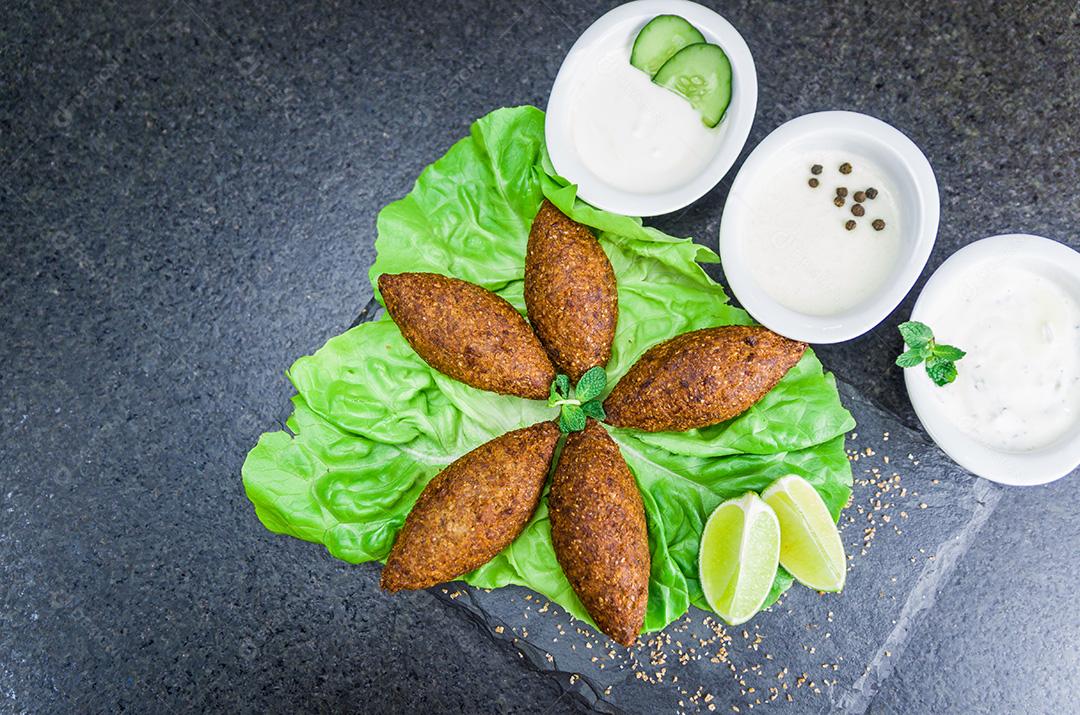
(796, 245)
(634, 135)
(1018, 387)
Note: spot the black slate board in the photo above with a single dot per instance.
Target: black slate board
(830, 652)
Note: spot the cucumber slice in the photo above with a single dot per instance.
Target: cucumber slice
(702, 74)
(662, 37)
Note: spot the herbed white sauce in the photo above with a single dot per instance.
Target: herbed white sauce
(634, 135)
(1018, 388)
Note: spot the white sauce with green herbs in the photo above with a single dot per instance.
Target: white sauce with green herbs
(1018, 387)
(634, 135)
(797, 247)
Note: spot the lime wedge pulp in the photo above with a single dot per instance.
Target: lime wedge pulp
(810, 546)
(740, 548)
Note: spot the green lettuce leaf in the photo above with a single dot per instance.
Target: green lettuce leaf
(372, 423)
(469, 213)
(326, 485)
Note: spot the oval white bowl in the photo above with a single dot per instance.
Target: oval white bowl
(917, 197)
(1039, 466)
(619, 27)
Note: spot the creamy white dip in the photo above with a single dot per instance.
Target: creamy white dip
(634, 135)
(797, 247)
(1018, 388)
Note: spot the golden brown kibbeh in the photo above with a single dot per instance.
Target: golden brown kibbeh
(570, 292)
(701, 378)
(472, 510)
(468, 333)
(599, 533)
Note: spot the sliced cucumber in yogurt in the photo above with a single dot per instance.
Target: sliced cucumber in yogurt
(661, 38)
(702, 73)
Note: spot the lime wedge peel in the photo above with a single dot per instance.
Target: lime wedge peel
(737, 561)
(810, 546)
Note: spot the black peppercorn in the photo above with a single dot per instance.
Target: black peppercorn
(858, 210)
(878, 224)
(816, 169)
(860, 196)
(839, 201)
(813, 183)
(841, 191)
(849, 225)
(845, 168)
(871, 193)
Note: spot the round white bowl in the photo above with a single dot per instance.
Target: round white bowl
(917, 198)
(619, 27)
(1039, 466)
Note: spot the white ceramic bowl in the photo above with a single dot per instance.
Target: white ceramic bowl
(619, 27)
(1048, 258)
(917, 198)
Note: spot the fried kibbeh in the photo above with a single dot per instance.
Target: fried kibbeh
(570, 292)
(472, 510)
(468, 333)
(701, 378)
(599, 533)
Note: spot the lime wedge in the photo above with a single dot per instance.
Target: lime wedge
(810, 546)
(740, 547)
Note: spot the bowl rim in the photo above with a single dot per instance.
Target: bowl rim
(740, 117)
(906, 156)
(1041, 466)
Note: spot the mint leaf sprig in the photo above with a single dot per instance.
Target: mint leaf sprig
(581, 402)
(940, 359)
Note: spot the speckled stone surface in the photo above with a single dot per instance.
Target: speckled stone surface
(188, 194)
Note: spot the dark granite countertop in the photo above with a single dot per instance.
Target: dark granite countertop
(188, 194)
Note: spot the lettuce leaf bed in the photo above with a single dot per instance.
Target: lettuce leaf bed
(372, 423)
